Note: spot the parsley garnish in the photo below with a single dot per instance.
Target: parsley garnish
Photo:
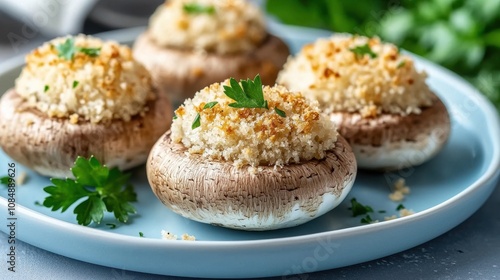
(75, 84)
(248, 95)
(111, 226)
(175, 117)
(68, 49)
(359, 209)
(280, 113)
(360, 51)
(400, 207)
(197, 122)
(37, 203)
(141, 234)
(401, 64)
(5, 180)
(105, 189)
(195, 8)
(366, 220)
(46, 88)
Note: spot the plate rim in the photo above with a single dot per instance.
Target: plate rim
(490, 174)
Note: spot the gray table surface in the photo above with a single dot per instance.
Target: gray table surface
(469, 251)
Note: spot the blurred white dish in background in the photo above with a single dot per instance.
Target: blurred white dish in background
(50, 17)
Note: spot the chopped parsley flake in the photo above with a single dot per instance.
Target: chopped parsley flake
(360, 51)
(359, 209)
(195, 8)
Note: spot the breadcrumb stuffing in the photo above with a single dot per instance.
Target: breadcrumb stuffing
(103, 87)
(342, 80)
(233, 26)
(254, 136)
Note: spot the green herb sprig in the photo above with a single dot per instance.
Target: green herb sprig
(5, 180)
(105, 189)
(67, 50)
(359, 209)
(197, 121)
(247, 95)
(195, 8)
(365, 49)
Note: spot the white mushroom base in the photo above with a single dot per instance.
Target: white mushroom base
(398, 155)
(265, 198)
(296, 216)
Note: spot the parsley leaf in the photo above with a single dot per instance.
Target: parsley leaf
(366, 220)
(280, 113)
(400, 207)
(248, 95)
(46, 88)
(359, 209)
(103, 188)
(210, 105)
(92, 52)
(401, 64)
(5, 180)
(195, 8)
(68, 49)
(75, 84)
(197, 121)
(360, 51)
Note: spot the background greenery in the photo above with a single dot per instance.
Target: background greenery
(462, 35)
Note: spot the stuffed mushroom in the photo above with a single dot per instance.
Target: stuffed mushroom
(378, 99)
(80, 96)
(249, 157)
(190, 44)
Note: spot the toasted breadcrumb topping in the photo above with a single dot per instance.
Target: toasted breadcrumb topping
(381, 80)
(95, 88)
(233, 26)
(250, 136)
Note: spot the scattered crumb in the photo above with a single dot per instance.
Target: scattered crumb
(388, 218)
(73, 118)
(400, 190)
(168, 236)
(188, 237)
(396, 196)
(21, 178)
(405, 212)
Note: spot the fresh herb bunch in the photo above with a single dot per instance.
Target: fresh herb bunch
(461, 35)
(105, 189)
(67, 50)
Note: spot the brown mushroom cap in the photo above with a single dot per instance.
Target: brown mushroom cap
(394, 141)
(181, 73)
(50, 145)
(219, 193)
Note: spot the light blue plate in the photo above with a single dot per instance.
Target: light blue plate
(444, 192)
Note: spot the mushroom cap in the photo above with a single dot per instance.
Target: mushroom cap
(182, 73)
(244, 198)
(50, 145)
(395, 141)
